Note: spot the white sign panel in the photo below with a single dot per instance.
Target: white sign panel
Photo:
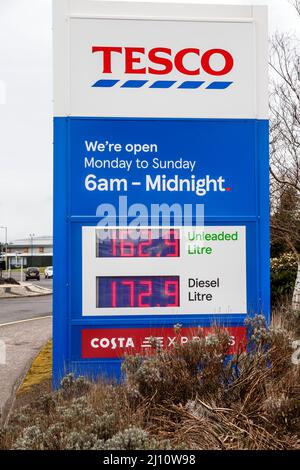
(207, 274)
(137, 65)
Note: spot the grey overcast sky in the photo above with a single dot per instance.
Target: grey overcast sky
(26, 109)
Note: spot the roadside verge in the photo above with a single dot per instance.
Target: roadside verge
(23, 290)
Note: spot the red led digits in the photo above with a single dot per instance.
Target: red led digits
(138, 291)
(145, 294)
(113, 294)
(131, 285)
(122, 244)
(142, 246)
(126, 248)
(171, 290)
(173, 243)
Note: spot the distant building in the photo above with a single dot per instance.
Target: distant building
(35, 251)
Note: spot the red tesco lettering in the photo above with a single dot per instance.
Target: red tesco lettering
(162, 61)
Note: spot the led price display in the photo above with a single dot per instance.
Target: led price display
(123, 243)
(138, 291)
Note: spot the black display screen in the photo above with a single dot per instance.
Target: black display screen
(138, 291)
(145, 243)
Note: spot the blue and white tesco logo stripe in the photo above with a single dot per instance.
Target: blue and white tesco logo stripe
(187, 85)
(162, 61)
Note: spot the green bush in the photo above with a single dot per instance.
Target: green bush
(283, 276)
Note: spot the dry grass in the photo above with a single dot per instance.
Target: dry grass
(192, 397)
(40, 370)
(286, 318)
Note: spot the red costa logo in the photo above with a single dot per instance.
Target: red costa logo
(162, 60)
(114, 343)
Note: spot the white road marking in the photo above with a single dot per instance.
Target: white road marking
(24, 321)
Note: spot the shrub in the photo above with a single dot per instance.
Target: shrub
(179, 374)
(133, 438)
(9, 280)
(189, 397)
(285, 317)
(283, 276)
(71, 387)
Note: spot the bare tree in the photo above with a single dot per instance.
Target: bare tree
(285, 143)
(296, 4)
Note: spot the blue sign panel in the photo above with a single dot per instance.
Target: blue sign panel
(228, 157)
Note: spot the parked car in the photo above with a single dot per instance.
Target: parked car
(49, 272)
(32, 273)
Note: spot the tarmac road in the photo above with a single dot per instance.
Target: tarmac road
(16, 309)
(25, 326)
(20, 343)
(12, 310)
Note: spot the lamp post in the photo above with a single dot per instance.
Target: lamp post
(32, 235)
(5, 228)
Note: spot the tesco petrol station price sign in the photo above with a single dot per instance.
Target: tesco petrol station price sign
(161, 113)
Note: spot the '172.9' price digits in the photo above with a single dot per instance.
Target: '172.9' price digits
(137, 291)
